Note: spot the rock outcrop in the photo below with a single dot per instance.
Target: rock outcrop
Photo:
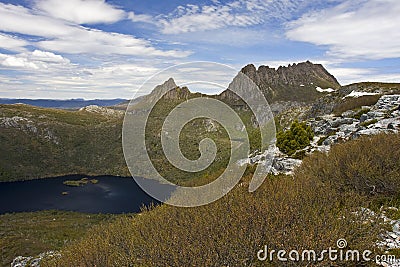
(103, 111)
(22, 261)
(30, 127)
(298, 82)
(382, 117)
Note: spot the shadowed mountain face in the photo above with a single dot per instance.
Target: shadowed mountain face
(297, 82)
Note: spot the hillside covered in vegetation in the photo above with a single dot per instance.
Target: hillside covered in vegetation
(40, 142)
(311, 210)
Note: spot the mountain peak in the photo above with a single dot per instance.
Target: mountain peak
(295, 82)
(170, 83)
(166, 90)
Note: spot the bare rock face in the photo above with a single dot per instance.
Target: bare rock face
(297, 82)
(103, 111)
(169, 90)
(296, 74)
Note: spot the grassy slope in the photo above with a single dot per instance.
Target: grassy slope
(27, 234)
(79, 142)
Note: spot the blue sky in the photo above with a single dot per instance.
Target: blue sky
(107, 49)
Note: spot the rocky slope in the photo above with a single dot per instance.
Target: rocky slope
(285, 87)
(351, 96)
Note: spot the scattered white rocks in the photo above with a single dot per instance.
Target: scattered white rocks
(279, 162)
(388, 102)
(284, 165)
(21, 261)
(17, 122)
(211, 125)
(103, 111)
(30, 127)
(383, 117)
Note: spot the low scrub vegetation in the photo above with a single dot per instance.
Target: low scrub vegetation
(368, 166)
(360, 113)
(311, 210)
(368, 123)
(285, 213)
(81, 182)
(49, 142)
(31, 233)
(351, 103)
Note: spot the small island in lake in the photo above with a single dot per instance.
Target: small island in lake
(80, 182)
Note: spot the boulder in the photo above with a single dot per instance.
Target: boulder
(363, 117)
(284, 165)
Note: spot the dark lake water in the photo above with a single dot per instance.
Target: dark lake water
(110, 195)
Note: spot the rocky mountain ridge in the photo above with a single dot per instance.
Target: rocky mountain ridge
(302, 82)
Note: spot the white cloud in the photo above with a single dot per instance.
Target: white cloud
(141, 18)
(48, 57)
(81, 11)
(354, 75)
(362, 29)
(71, 81)
(239, 37)
(237, 13)
(12, 43)
(63, 37)
(90, 41)
(37, 60)
(21, 20)
(193, 18)
(17, 62)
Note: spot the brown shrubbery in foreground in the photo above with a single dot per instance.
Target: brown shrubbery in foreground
(309, 211)
(369, 166)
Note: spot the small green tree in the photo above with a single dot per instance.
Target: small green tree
(297, 137)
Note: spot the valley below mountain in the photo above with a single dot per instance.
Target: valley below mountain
(335, 166)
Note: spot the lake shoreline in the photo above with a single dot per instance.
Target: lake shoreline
(64, 175)
(110, 195)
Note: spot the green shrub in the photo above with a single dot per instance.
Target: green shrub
(297, 137)
(322, 139)
(361, 112)
(368, 123)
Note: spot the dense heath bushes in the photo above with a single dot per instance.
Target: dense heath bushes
(285, 213)
(369, 166)
(308, 211)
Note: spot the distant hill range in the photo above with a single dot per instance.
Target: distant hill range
(63, 104)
